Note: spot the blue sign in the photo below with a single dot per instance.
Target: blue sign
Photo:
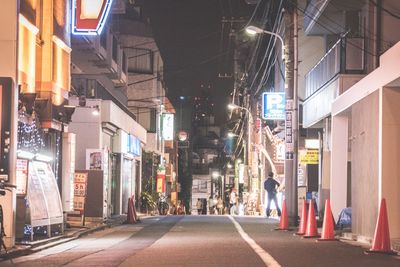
(273, 106)
(134, 145)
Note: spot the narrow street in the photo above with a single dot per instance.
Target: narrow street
(201, 241)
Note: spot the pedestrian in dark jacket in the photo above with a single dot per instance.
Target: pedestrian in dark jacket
(270, 186)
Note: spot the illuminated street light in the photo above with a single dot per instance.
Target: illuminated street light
(253, 30)
(231, 135)
(229, 166)
(215, 174)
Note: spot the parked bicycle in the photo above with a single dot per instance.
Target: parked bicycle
(3, 188)
(162, 204)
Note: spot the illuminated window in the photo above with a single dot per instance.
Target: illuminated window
(61, 67)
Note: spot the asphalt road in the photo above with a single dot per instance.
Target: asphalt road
(201, 241)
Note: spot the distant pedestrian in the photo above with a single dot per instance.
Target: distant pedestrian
(211, 205)
(220, 206)
(270, 186)
(199, 206)
(232, 201)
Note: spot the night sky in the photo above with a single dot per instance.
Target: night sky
(194, 44)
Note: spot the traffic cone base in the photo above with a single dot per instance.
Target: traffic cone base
(391, 252)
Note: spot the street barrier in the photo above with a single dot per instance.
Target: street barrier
(381, 242)
(284, 223)
(303, 220)
(328, 231)
(311, 229)
(131, 218)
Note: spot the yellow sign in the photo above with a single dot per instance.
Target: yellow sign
(310, 157)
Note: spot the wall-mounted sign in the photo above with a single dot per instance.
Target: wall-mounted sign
(89, 16)
(168, 126)
(21, 176)
(273, 106)
(134, 145)
(310, 156)
(95, 159)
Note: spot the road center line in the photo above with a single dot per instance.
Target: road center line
(265, 257)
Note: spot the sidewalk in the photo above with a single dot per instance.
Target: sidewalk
(71, 233)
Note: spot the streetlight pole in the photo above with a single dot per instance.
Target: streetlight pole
(291, 120)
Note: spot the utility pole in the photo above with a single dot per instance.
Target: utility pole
(291, 122)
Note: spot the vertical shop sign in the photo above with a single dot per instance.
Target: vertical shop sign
(289, 127)
(21, 176)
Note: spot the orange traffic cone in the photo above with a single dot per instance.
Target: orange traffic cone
(130, 218)
(284, 223)
(381, 243)
(328, 231)
(311, 229)
(303, 220)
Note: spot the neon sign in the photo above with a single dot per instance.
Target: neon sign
(89, 16)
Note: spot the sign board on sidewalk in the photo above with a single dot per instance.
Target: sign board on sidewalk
(273, 106)
(80, 187)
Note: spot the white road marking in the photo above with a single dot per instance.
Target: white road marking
(265, 257)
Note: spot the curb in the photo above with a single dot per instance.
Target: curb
(48, 243)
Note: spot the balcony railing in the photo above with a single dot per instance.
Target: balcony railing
(345, 57)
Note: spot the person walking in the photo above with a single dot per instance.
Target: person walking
(199, 206)
(270, 186)
(220, 206)
(232, 201)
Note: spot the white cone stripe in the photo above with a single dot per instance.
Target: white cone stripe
(265, 257)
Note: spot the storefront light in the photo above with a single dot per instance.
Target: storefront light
(96, 111)
(44, 158)
(25, 154)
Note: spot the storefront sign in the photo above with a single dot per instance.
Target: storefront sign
(80, 188)
(309, 157)
(21, 176)
(89, 16)
(168, 126)
(273, 106)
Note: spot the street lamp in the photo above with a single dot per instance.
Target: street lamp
(231, 135)
(291, 125)
(254, 30)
